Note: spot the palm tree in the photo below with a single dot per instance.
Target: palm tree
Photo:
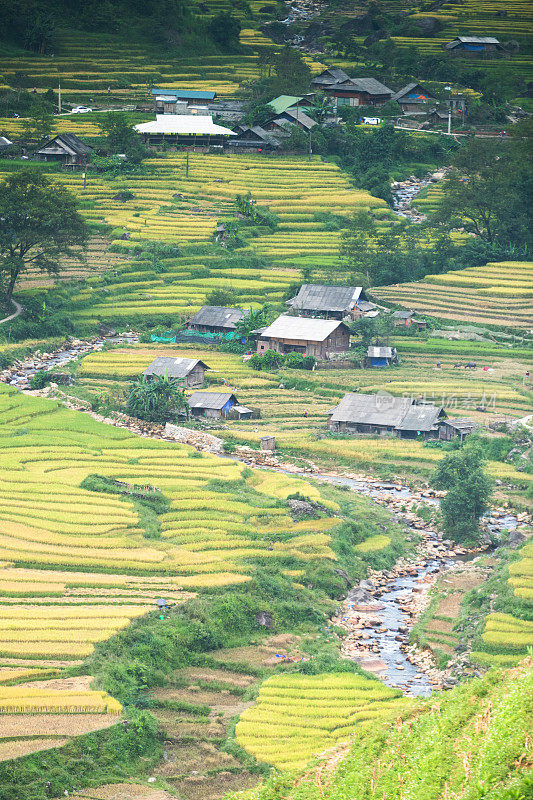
(322, 107)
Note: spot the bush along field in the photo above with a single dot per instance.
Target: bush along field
(96, 526)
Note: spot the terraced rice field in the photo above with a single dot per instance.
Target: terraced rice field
(76, 566)
(521, 574)
(297, 416)
(297, 716)
(170, 207)
(88, 63)
(495, 294)
(44, 714)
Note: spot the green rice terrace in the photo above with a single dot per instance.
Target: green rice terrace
(187, 614)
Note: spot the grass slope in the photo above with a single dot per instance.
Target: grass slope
(469, 743)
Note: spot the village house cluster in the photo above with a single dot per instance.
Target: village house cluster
(318, 325)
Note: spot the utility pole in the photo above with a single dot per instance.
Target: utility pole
(187, 165)
(59, 94)
(310, 149)
(449, 89)
(84, 170)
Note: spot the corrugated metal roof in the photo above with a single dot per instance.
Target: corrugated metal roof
(366, 305)
(471, 40)
(369, 85)
(70, 143)
(184, 124)
(371, 409)
(218, 316)
(173, 367)
(318, 297)
(420, 418)
(301, 328)
(336, 73)
(380, 352)
(462, 424)
(283, 102)
(403, 314)
(184, 94)
(293, 115)
(213, 400)
(383, 409)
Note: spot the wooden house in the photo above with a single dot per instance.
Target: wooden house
(359, 92)
(476, 47)
(384, 415)
(215, 319)
(329, 302)
(66, 148)
(380, 356)
(292, 116)
(217, 405)
(188, 372)
(288, 101)
(407, 319)
(320, 338)
(169, 101)
(329, 77)
(412, 98)
(254, 137)
(453, 428)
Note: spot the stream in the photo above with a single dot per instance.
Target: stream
(377, 614)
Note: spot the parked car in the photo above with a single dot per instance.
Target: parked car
(80, 110)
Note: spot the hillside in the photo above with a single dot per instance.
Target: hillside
(468, 743)
(496, 294)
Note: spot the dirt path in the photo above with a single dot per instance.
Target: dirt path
(18, 311)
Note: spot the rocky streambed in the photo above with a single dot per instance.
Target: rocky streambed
(404, 192)
(379, 613)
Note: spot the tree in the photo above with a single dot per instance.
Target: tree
(156, 400)
(252, 321)
(221, 297)
(357, 243)
(40, 124)
(322, 107)
(488, 194)
(469, 489)
(121, 138)
(292, 73)
(224, 30)
(39, 222)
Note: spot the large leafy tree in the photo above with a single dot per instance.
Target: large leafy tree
(224, 29)
(121, 138)
(462, 475)
(489, 193)
(39, 222)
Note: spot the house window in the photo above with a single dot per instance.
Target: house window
(343, 101)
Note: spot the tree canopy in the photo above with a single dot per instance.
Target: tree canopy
(39, 222)
(489, 193)
(156, 400)
(468, 487)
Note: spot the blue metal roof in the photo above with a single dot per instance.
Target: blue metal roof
(185, 94)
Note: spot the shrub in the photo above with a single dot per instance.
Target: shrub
(39, 380)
